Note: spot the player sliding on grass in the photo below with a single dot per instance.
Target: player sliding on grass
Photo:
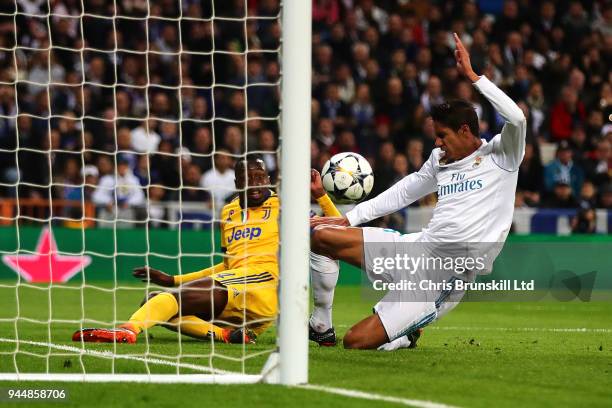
(479, 210)
(240, 293)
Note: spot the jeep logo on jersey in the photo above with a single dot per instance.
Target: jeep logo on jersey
(247, 233)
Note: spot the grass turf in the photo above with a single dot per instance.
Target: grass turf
(481, 354)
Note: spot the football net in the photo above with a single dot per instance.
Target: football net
(120, 124)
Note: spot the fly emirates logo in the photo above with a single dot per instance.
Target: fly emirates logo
(459, 184)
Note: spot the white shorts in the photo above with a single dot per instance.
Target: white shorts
(402, 312)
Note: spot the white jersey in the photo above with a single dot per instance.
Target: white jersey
(475, 194)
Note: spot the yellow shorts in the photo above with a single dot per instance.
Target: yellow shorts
(252, 296)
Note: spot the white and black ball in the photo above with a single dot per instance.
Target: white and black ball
(347, 177)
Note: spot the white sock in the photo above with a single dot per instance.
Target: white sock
(401, 342)
(324, 277)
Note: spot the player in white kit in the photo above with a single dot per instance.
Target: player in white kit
(475, 181)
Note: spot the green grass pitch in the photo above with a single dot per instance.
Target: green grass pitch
(481, 354)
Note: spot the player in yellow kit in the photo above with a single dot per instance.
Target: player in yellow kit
(233, 301)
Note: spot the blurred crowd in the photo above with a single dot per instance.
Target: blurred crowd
(151, 110)
(174, 101)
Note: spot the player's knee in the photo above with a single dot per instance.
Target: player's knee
(353, 340)
(190, 298)
(321, 239)
(150, 296)
(202, 298)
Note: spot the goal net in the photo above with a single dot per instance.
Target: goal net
(120, 124)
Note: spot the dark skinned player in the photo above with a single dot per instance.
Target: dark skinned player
(232, 301)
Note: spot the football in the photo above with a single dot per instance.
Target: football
(347, 177)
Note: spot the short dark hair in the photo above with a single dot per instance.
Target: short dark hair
(250, 161)
(456, 113)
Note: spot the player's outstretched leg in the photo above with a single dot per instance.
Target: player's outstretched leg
(395, 324)
(203, 297)
(324, 276)
(367, 334)
(341, 243)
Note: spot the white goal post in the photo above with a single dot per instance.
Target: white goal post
(288, 364)
(295, 192)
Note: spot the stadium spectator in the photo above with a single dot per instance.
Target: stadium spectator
(565, 169)
(362, 109)
(383, 173)
(344, 143)
(432, 96)
(415, 155)
(191, 190)
(566, 114)
(531, 176)
(144, 137)
(605, 199)
(561, 195)
(325, 136)
(143, 171)
(267, 145)
(167, 163)
(233, 141)
(588, 197)
(68, 183)
(122, 189)
(201, 151)
(219, 180)
(599, 167)
(584, 221)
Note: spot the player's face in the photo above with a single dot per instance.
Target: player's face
(256, 182)
(455, 144)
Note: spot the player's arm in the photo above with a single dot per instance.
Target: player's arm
(512, 143)
(400, 195)
(222, 266)
(181, 279)
(318, 193)
(403, 193)
(147, 274)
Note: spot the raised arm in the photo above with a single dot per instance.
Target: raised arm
(511, 143)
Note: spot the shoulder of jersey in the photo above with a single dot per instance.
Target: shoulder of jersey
(232, 205)
(273, 200)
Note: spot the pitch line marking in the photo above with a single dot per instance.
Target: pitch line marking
(374, 397)
(527, 329)
(195, 367)
(111, 355)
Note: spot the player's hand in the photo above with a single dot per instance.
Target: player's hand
(316, 185)
(462, 56)
(146, 274)
(339, 221)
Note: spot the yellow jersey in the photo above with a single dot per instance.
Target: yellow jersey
(249, 236)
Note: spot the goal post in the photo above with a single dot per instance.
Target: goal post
(40, 336)
(295, 191)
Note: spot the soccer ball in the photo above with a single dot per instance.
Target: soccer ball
(347, 177)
